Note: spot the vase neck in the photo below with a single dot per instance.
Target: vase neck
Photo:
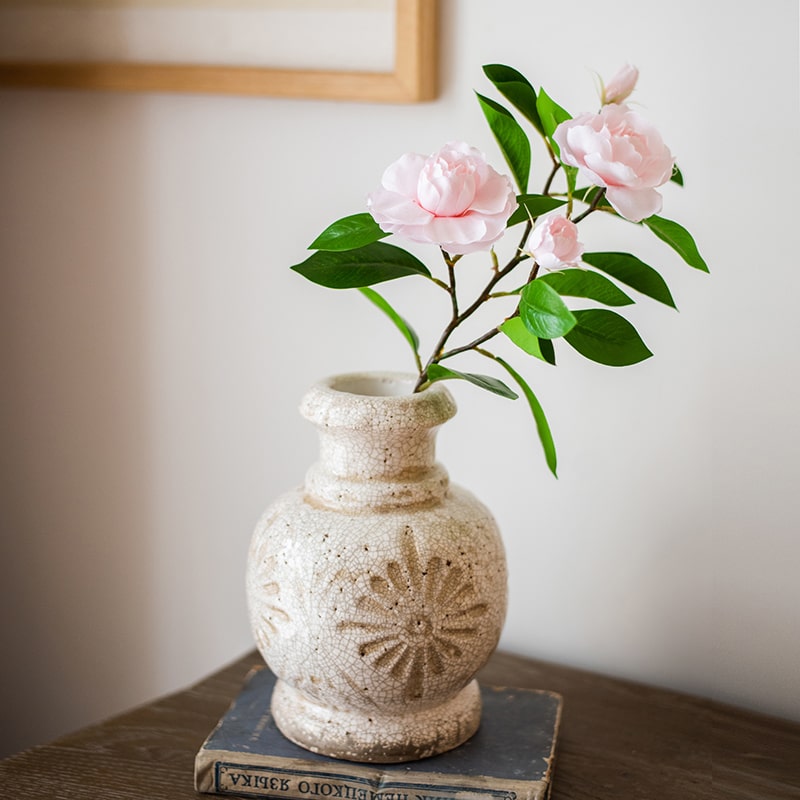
(377, 449)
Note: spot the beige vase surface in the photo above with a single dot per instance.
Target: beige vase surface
(378, 589)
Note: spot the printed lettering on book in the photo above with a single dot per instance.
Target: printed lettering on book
(258, 781)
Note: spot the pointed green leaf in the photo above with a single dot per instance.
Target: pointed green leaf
(543, 311)
(548, 351)
(408, 332)
(532, 206)
(632, 272)
(349, 233)
(550, 112)
(542, 427)
(364, 266)
(584, 283)
(436, 372)
(607, 338)
(552, 115)
(513, 142)
(515, 87)
(514, 328)
(677, 176)
(678, 238)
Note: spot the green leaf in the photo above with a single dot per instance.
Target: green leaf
(436, 372)
(571, 174)
(532, 206)
(352, 269)
(548, 351)
(514, 328)
(551, 114)
(349, 233)
(408, 332)
(632, 272)
(542, 427)
(584, 283)
(543, 311)
(678, 238)
(515, 87)
(607, 338)
(588, 195)
(677, 176)
(513, 142)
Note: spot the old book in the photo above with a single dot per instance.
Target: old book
(511, 757)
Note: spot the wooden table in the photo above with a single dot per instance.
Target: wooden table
(618, 740)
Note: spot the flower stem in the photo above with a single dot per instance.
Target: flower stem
(592, 207)
(552, 175)
(451, 274)
(458, 317)
(440, 284)
(473, 345)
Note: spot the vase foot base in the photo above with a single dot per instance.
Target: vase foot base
(369, 736)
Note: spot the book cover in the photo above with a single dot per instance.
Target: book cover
(511, 757)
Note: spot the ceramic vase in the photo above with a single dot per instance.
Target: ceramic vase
(378, 589)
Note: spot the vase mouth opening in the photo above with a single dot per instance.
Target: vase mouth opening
(378, 384)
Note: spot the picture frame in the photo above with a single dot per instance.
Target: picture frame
(413, 78)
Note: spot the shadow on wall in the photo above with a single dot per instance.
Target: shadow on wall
(76, 540)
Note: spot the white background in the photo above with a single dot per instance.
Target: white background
(155, 346)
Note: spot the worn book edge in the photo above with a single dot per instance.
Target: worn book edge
(230, 773)
(219, 771)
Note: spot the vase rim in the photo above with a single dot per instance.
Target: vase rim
(357, 398)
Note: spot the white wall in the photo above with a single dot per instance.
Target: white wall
(155, 346)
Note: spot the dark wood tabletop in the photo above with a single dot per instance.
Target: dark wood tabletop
(618, 740)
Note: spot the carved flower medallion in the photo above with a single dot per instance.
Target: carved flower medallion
(417, 618)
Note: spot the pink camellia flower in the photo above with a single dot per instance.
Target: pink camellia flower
(618, 149)
(554, 243)
(619, 88)
(453, 198)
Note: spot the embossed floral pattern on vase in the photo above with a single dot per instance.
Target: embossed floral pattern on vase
(418, 618)
(270, 614)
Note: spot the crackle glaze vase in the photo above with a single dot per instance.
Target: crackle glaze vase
(378, 589)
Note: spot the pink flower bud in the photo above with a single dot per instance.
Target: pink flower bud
(554, 243)
(619, 88)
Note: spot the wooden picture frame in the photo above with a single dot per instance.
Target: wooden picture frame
(412, 80)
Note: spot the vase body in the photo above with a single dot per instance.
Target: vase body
(378, 589)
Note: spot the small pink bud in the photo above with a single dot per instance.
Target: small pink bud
(618, 89)
(554, 243)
